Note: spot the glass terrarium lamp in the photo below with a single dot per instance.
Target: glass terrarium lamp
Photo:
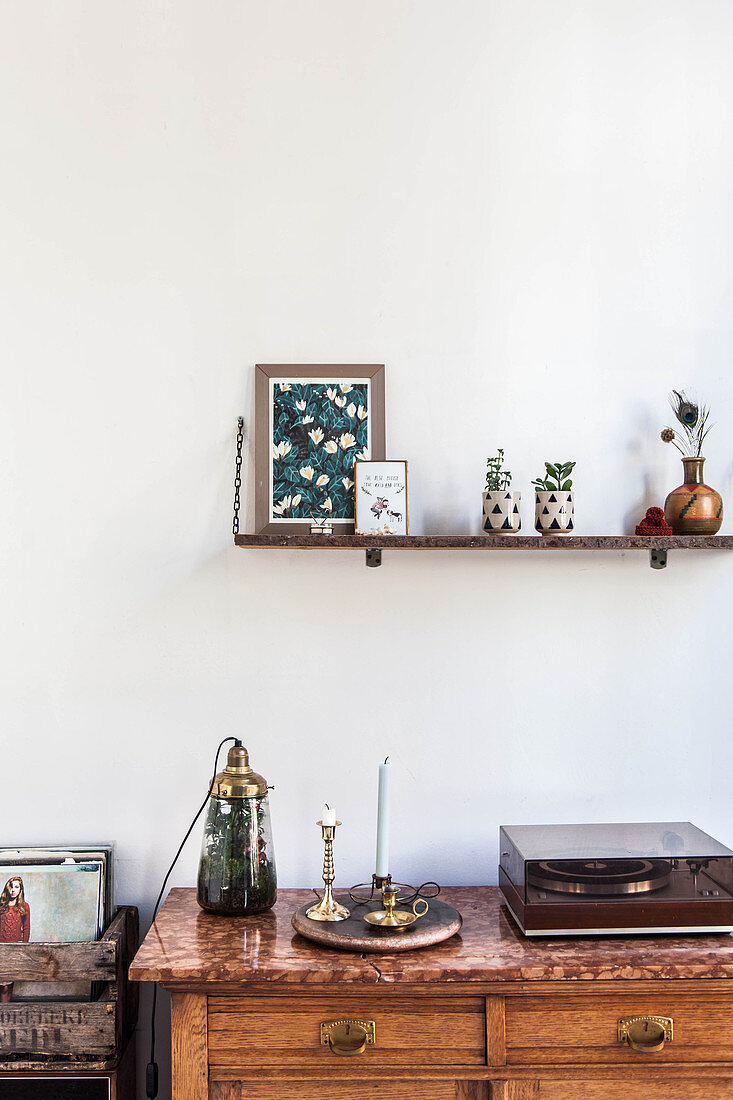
(237, 866)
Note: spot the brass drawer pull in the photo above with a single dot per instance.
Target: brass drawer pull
(348, 1037)
(647, 1034)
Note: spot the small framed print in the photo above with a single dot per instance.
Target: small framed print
(380, 496)
(312, 423)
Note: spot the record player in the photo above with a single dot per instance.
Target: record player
(571, 880)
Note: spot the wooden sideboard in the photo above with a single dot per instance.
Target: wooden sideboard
(488, 1015)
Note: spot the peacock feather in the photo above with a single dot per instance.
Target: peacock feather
(687, 412)
(693, 419)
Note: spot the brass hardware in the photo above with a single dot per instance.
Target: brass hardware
(328, 908)
(348, 1037)
(647, 1034)
(238, 780)
(396, 920)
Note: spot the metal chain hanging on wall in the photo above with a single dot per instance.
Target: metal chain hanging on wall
(238, 475)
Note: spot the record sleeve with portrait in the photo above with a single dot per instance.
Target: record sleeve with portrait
(52, 897)
(57, 903)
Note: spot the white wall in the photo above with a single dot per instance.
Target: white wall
(523, 209)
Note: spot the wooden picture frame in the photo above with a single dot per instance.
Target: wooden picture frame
(312, 421)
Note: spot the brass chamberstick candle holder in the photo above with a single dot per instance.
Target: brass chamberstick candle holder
(328, 909)
(396, 920)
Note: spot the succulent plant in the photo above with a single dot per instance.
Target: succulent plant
(556, 477)
(497, 479)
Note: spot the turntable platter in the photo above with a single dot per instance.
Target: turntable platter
(601, 878)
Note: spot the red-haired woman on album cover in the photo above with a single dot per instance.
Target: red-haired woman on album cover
(15, 913)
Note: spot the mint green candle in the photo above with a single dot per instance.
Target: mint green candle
(385, 782)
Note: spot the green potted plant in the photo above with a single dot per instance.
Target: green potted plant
(501, 505)
(554, 508)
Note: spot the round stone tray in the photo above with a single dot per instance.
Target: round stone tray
(354, 934)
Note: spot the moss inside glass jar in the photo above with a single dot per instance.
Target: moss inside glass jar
(237, 873)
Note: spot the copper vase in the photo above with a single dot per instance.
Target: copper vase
(694, 508)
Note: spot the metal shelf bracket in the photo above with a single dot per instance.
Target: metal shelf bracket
(373, 558)
(658, 558)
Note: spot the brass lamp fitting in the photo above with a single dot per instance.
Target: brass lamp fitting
(238, 780)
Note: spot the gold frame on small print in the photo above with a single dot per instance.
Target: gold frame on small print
(382, 515)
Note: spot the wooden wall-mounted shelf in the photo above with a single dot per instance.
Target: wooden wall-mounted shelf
(374, 544)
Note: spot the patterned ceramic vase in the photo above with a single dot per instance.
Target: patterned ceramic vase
(554, 511)
(694, 508)
(501, 512)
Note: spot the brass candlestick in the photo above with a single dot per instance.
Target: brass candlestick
(328, 908)
(396, 920)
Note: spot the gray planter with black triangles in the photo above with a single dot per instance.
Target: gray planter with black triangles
(554, 511)
(501, 512)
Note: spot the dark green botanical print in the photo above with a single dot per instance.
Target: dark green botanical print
(318, 431)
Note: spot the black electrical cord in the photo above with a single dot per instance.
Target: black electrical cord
(151, 1073)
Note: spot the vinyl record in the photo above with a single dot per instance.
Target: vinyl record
(599, 877)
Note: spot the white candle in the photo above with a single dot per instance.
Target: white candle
(328, 816)
(385, 781)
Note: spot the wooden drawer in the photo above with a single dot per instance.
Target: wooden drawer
(342, 1090)
(583, 1030)
(692, 1088)
(286, 1031)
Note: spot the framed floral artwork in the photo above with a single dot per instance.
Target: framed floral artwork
(312, 423)
(381, 497)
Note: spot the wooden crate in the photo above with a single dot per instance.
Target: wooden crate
(76, 1082)
(63, 1035)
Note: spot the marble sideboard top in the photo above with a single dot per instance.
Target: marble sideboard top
(186, 945)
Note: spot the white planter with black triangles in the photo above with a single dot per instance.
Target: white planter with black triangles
(554, 511)
(501, 512)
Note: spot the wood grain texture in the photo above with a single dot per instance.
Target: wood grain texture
(58, 962)
(693, 1088)
(123, 1083)
(338, 1090)
(72, 962)
(120, 1079)
(57, 1027)
(57, 1032)
(189, 1054)
(409, 1031)
(495, 1031)
(583, 1030)
(387, 990)
(125, 932)
(526, 1090)
(472, 1090)
(439, 1011)
(706, 1071)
